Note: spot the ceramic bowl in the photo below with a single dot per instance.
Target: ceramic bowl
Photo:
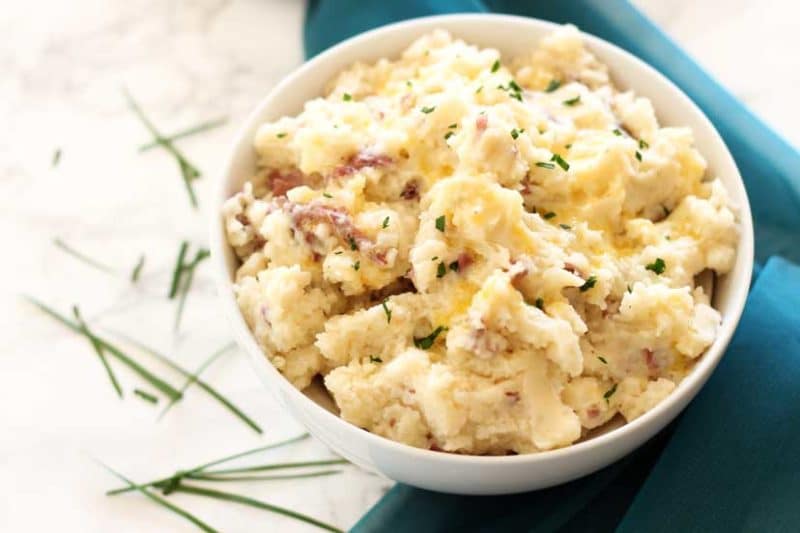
(466, 474)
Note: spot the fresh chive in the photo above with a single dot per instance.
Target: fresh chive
(440, 223)
(319, 473)
(273, 466)
(452, 126)
(352, 242)
(617, 132)
(515, 133)
(610, 392)
(560, 161)
(441, 270)
(425, 343)
(203, 467)
(177, 270)
(203, 126)
(374, 359)
(479, 89)
(548, 215)
(146, 396)
(280, 135)
(357, 265)
(539, 303)
(189, 172)
(629, 289)
(543, 164)
(638, 155)
(496, 66)
(196, 375)
(347, 97)
(56, 158)
(109, 348)
(427, 110)
(187, 272)
(565, 226)
(227, 404)
(449, 134)
(643, 144)
(588, 284)
(552, 86)
(85, 258)
(572, 101)
(327, 195)
(658, 266)
(244, 500)
(454, 266)
(161, 501)
(137, 270)
(387, 311)
(385, 223)
(568, 146)
(602, 359)
(98, 348)
(435, 258)
(338, 252)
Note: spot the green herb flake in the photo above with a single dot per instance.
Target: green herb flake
(479, 89)
(327, 195)
(543, 164)
(146, 396)
(280, 135)
(385, 223)
(496, 66)
(610, 392)
(658, 266)
(552, 86)
(375, 359)
(565, 226)
(440, 222)
(515, 133)
(454, 266)
(629, 289)
(425, 343)
(643, 144)
(338, 252)
(352, 242)
(588, 284)
(617, 132)
(560, 160)
(427, 110)
(387, 311)
(137, 270)
(452, 126)
(435, 258)
(56, 158)
(347, 97)
(572, 101)
(548, 215)
(448, 135)
(408, 83)
(638, 155)
(539, 303)
(602, 359)
(357, 265)
(441, 270)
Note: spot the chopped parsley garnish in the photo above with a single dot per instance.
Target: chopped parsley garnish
(281, 135)
(385, 223)
(454, 266)
(572, 101)
(441, 270)
(496, 66)
(356, 265)
(548, 215)
(543, 164)
(452, 126)
(327, 195)
(638, 155)
(643, 145)
(352, 241)
(617, 132)
(375, 359)
(565, 226)
(448, 135)
(610, 392)
(387, 311)
(588, 284)
(560, 160)
(425, 343)
(427, 110)
(440, 223)
(514, 90)
(602, 359)
(658, 266)
(539, 303)
(552, 86)
(347, 97)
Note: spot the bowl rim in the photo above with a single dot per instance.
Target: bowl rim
(694, 381)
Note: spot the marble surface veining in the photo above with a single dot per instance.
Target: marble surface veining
(64, 64)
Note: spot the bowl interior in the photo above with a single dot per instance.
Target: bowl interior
(511, 36)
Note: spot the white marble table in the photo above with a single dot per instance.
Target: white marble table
(63, 65)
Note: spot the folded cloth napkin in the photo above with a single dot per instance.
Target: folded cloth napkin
(731, 462)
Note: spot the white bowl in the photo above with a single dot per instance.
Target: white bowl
(466, 474)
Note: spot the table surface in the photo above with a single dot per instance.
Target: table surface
(187, 62)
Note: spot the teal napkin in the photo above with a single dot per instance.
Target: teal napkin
(731, 462)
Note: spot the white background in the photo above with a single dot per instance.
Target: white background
(63, 64)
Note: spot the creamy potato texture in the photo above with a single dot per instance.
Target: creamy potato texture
(480, 255)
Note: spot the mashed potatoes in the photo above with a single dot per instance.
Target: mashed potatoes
(481, 256)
